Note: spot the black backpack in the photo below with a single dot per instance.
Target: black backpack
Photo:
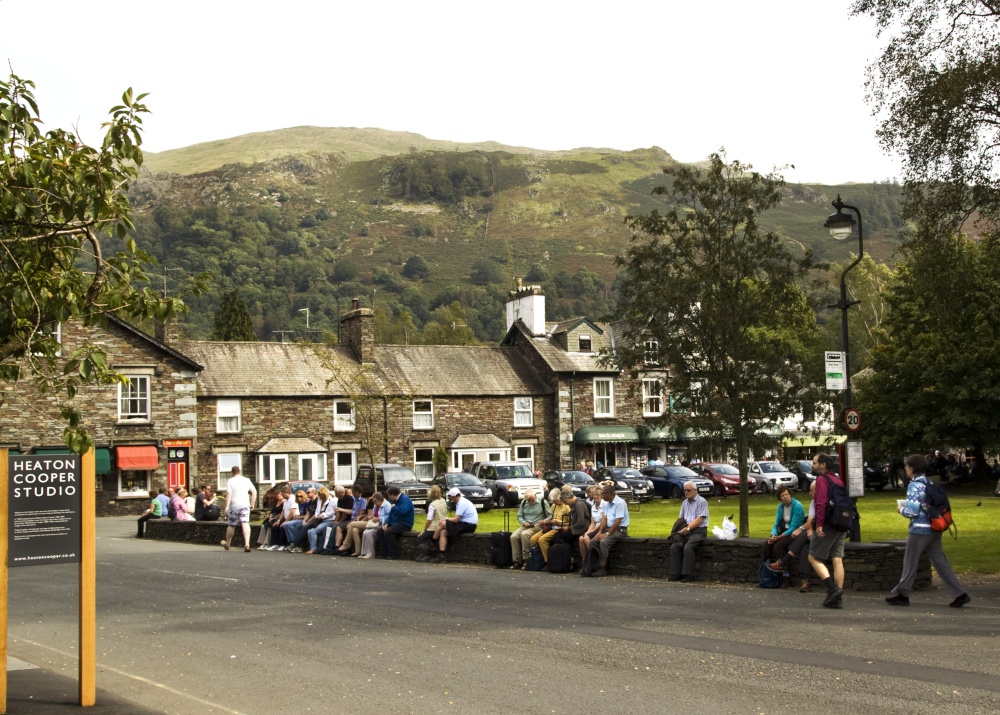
(766, 578)
(938, 509)
(171, 511)
(839, 507)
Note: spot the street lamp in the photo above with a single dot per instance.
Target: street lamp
(841, 227)
(306, 311)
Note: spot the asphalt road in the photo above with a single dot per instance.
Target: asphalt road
(195, 629)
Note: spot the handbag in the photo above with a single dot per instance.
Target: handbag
(372, 524)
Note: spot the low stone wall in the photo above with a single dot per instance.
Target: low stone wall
(867, 566)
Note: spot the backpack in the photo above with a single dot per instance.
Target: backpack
(766, 578)
(938, 509)
(839, 507)
(171, 510)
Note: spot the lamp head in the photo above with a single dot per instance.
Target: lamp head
(841, 224)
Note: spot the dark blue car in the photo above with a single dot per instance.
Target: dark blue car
(668, 481)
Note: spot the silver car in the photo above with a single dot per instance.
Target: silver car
(771, 475)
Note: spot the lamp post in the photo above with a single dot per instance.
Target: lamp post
(841, 227)
(306, 311)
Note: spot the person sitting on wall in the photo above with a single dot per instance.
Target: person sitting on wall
(348, 508)
(437, 509)
(272, 522)
(351, 545)
(530, 512)
(155, 511)
(379, 518)
(295, 530)
(579, 515)
(180, 507)
(289, 509)
(205, 507)
(316, 527)
(694, 512)
(612, 529)
(800, 547)
(596, 506)
(553, 526)
(787, 519)
(164, 499)
(465, 521)
(400, 521)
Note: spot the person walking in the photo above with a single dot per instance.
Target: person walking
(827, 542)
(240, 494)
(921, 538)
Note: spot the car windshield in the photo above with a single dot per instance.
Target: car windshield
(462, 480)
(398, 475)
(628, 473)
(806, 467)
(772, 467)
(680, 472)
(516, 471)
(576, 477)
(725, 469)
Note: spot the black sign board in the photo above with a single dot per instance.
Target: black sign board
(43, 526)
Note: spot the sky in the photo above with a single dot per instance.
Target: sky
(774, 82)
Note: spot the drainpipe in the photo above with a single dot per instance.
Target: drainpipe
(385, 427)
(572, 416)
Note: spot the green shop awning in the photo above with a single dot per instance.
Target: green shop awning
(608, 433)
(650, 434)
(51, 450)
(807, 441)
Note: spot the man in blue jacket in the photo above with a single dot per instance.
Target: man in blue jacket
(922, 538)
(400, 521)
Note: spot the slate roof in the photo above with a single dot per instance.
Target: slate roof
(252, 369)
(290, 445)
(478, 441)
(559, 360)
(128, 327)
(457, 370)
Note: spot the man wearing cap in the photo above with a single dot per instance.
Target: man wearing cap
(466, 520)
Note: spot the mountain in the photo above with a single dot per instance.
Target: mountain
(432, 232)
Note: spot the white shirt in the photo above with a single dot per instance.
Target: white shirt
(239, 488)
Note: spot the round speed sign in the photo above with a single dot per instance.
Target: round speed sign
(852, 419)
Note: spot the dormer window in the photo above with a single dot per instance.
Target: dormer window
(584, 343)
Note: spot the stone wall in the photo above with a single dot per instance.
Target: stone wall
(868, 567)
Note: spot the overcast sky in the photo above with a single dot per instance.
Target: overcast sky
(774, 82)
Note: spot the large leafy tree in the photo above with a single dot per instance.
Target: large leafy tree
(935, 374)
(232, 319)
(936, 91)
(714, 301)
(62, 205)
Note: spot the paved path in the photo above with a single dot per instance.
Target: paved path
(194, 629)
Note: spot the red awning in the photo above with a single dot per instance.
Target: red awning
(137, 457)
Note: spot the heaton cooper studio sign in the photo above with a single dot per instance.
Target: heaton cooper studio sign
(44, 518)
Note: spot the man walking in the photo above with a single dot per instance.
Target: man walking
(827, 543)
(240, 495)
(694, 512)
(922, 538)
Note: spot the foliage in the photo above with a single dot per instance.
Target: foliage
(869, 284)
(232, 319)
(441, 177)
(440, 459)
(936, 369)
(718, 297)
(416, 268)
(62, 205)
(486, 272)
(936, 89)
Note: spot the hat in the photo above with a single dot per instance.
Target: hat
(454, 492)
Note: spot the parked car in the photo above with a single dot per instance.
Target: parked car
(508, 481)
(578, 481)
(771, 475)
(471, 487)
(668, 481)
(725, 477)
(803, 471)
(876, 476)
(383, 476)
(269, 497)
(625, 478)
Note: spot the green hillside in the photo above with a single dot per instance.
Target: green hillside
(433, 233)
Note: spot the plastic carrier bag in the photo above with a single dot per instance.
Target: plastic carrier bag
(726, 532)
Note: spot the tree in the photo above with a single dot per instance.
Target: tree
(486, 272)
(62, 205)
(711, 304)
(936, 91)
(232, 319)
(934, 378)
(416, 268)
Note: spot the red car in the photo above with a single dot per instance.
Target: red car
(725, 477)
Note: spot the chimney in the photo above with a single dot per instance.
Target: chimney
(357, 329)
(527, 304)
(167, 331)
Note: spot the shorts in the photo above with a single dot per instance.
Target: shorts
(829, 546)
(457, 528)
(235, 517)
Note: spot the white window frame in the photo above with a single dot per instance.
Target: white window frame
(344, 473)
(423, 468)
(225, 411)
(650, 351)
(127, 493)
(652, 402)
(225, 461)
(606, 401)
(424, 419)
(524, 412)
(579, 343)
(456, 459)
(125, 396)
(525, 454)
(268, 467)
(496, 456)
(318, 460)
(344, 422)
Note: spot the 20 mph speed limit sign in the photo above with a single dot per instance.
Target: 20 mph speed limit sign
(852, 419)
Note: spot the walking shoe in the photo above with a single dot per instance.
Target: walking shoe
(246, 549)
(806, 587)
(898, 600)
(224, 544)
(423, 558)
(832, 596)
(674, 578)
(960, 601)
(515, 566)
(365, 556)
(295, 550)
(600, 572)
(439, 558)
(838, 602)
(776, 566)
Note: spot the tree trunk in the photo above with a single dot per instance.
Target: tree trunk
(741, 459)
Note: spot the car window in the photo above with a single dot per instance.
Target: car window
(681, 472)
(398, 475)
(771, 467)
(463, 480)
(521, 471)
(725, 469)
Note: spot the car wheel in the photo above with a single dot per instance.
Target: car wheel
(503, 501)
(675, 492)
(765, 487)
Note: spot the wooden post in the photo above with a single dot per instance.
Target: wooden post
(88, 582)
(4, 516)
